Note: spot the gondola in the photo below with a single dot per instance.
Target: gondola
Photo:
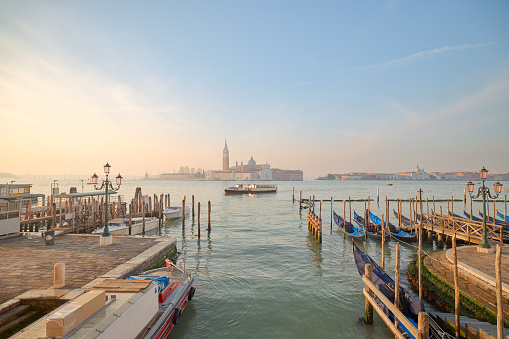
(505, 229)
(490, 219)
(396, 232)
(404, 220)
(370, 228)
(348, 228)
(409, 307)
(501, 216)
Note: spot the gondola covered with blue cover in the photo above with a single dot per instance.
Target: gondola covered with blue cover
(347, 227)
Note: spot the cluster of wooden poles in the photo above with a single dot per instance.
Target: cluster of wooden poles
(83, 215)
(192, 213)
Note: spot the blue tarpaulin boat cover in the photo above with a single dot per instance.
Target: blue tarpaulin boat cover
(161, 281)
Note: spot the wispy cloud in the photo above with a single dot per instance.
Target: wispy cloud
(300, 84)
(421, 56)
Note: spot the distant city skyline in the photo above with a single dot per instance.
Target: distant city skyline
(343, 86)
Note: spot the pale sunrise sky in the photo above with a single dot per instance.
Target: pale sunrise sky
(321, 86)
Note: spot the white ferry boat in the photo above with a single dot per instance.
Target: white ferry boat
(250, 189)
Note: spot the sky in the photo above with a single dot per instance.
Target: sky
(320, 86)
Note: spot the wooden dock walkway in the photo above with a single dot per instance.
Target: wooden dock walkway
(27, 263)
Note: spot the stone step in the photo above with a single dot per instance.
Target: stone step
(466, 287)
(487, 288)
(13, 314)
(16, 322)
(473, 323)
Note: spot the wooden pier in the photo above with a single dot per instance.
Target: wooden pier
(470, 231)
(83, 213)
(315, 222)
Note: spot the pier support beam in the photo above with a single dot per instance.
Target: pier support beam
(368, 308)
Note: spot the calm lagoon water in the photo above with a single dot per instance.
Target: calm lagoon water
(259, 273)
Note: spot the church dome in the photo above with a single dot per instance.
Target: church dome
(251, 162)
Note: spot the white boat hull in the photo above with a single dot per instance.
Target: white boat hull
(150, 223)
(174, 212)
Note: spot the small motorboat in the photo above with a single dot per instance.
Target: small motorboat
(174, 212)
(145, 306)
(120, 226)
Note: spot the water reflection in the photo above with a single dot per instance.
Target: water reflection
(316, 257)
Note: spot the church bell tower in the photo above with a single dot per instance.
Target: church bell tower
(226, 157)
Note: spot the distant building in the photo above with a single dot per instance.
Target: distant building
(226, 158)
(251, 171)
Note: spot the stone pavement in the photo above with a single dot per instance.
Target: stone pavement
(27, 263)
(482, 265)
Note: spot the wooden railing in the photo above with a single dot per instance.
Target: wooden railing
(465, 229)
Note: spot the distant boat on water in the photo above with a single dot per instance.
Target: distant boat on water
(251, 188)
(389, 183)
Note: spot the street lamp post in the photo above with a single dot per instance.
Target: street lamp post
(106, 238)
(485, 192)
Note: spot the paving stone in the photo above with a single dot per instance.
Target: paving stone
(26, 263)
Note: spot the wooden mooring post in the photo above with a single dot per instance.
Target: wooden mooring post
(198, 219)
(208, 229)
(183, 212)
(456, 289)
(368, 308)
(498, 286)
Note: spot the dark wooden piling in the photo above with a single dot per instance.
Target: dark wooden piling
(498, 286)
(208, 229)
(383, 243)
(143, 216)
(396, 283)
(183, 212)
(331, 215)
(130, 218)
(192, 198)
(456, 288)
(198, 219)
(368, 308)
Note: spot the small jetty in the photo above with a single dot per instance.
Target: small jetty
(466, 281)
(29, 268)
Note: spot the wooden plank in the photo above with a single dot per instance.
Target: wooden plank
(397, 313)
(121, 285)
(383, 316)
